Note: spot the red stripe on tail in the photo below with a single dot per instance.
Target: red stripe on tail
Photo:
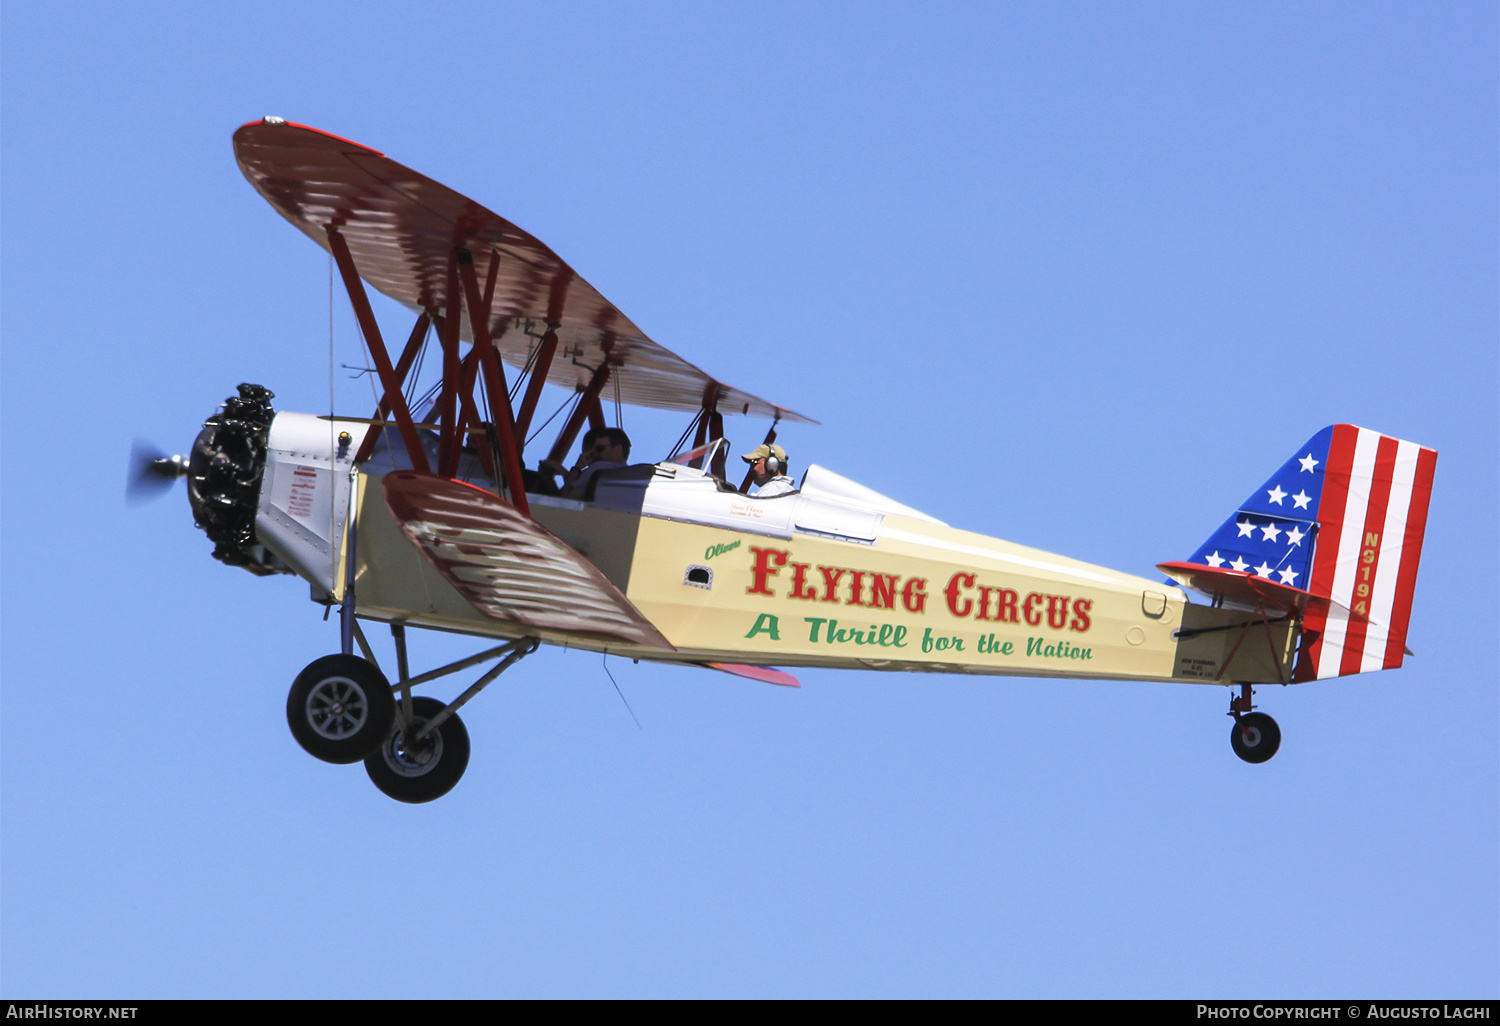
(1369, 555)
(1411, 554)
(1325, 557)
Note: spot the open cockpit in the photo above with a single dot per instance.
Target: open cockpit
(684, 488)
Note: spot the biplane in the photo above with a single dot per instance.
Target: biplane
(426, 515)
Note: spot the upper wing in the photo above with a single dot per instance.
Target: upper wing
(507, 565)
(402, 228)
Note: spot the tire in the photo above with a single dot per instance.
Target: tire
(1264, 739)
(424, 773)
(340, 709)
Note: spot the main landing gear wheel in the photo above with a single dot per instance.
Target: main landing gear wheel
(423, 770)
(1255, 737)
(340, 709)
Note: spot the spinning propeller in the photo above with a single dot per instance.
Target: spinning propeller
(151, 471)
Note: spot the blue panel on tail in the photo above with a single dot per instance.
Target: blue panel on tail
(1271, 534)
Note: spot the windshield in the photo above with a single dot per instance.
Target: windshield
(701, 455)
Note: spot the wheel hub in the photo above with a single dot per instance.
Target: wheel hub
(414, 758)
(336, 708)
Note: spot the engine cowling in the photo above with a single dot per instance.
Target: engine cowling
(224, 475)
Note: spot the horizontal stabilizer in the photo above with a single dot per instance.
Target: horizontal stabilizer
(508, 566)
(1248, 589)
(764, 674)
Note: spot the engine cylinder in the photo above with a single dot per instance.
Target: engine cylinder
(224, 474)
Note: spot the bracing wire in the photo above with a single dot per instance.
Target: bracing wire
(488, 422)
(483, 395)
(330, 341)
(333, 511)
(515, 389)
(621, 693)
(575, 397)
(409, 392)
(683, 440)
(371, 376)
(426, 397)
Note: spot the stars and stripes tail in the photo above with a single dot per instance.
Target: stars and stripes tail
(1342, 520)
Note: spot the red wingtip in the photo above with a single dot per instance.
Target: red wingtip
(764, 674)
(281, 122)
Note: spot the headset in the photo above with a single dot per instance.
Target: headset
(773, 465)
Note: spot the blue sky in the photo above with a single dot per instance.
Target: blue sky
(1074, 275)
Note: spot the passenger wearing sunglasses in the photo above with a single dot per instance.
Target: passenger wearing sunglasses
(603, 449)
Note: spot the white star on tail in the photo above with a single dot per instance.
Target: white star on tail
(1215, 560)
(1277, 495)
(1263, 570)
(1294, 537)
(1245, 527)
(1308, 462)
(1300, 500)
(1239, 564)
(1269, 532)
(1288, 576)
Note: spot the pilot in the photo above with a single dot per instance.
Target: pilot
(767, 468)
(603, 449)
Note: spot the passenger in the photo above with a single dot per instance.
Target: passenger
(603, 449)
(767, 466)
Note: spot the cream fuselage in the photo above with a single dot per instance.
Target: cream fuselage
(815, 579)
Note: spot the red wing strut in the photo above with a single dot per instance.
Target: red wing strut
(507, 565)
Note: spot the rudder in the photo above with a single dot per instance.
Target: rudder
(1373, 518)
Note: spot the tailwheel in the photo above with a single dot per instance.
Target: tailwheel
(1255, 737)
(415, 768)
(340, 708)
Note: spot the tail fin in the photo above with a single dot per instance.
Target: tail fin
(1343, 520)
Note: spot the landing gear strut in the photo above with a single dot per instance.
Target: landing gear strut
(1255, 736)
(414, 765)
(342, 709)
